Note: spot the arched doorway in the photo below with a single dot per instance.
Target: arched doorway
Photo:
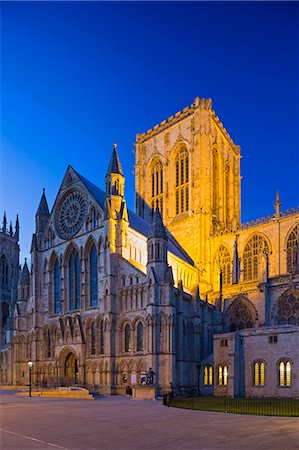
(71, 369)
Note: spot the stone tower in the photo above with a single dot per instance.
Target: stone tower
(9, 275)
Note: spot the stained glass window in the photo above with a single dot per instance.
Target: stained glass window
(127, 338)
(93, 277)
(223, 261)
(56, 287)
(241, 316)
(74, 281)
(140, 346)
(288, 309)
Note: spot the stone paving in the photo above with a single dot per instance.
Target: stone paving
(119, 423)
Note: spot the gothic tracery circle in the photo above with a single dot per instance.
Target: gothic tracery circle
(71, 214)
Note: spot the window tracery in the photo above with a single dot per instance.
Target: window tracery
(285, 374)
(223, 261)
(127, 338)
(240, 316)
(292, 244)
(3, 270)
(253, 251)
(182, 181)
(215, 184)
(140, 345)
(288, 309)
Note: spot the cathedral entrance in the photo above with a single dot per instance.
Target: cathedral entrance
(71, 369)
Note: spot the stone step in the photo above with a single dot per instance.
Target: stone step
(57, 393)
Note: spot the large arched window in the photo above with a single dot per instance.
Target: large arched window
(259, 373)
(3, 271)
(227, 195)
(93, 276)
(157, 186)
(56, 287)
(127, 338)
(182, 181)
(223, 261)
(93, 338)
(140, 343)
(215, 184)
(74, 281)
(285, 374)
(240, 316)
(288, 309)
(292, 249)
(253, 250)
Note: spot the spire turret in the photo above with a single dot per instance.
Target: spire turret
(115, 181)
(4, 226)
(114, 165)
(277, 205)
(17, 227)
(42, 214)
(157, 240)
(10, 229)
(24, 276)
(157, 227)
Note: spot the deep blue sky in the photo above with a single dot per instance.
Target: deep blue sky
(76, 77)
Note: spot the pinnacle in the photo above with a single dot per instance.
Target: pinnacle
(114, 165)
(43, 208)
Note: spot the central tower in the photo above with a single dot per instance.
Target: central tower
(189, 166)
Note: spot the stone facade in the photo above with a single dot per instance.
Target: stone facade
(112, 293)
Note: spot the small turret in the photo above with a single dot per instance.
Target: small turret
(42, 214)
(24, 283)
(277, 205)
(236, 264)
(10, 229)
(115, 180)
(17, 228)
(4, 226)
(157, 242)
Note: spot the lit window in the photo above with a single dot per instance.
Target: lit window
(208, 375)
(253, 250)
(222, 375)
(285, 374)
(259, 373)
(182, 182)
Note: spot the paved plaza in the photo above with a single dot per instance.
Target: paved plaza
(121, 423)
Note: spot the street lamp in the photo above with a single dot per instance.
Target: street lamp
(30, 364)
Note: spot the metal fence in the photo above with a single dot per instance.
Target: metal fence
(254, 406)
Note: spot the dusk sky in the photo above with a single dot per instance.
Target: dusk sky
(77, 77)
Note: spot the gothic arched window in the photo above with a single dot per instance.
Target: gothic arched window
(93, 338)
(74, 281)
(101, 346)
(127, 338)
(56, 287)
(253, 250)
(49, 344)
(288, 309)
(215, 184)
(285, 374)
(93, 218)
(3, 271)
(208, 375)
(157, 186)
(292, 249)
(222, 375)
(182, 181)
(223, 261)
(240, 316)
(259, 373)
(93, 259)
(227, 195)
(140, 345)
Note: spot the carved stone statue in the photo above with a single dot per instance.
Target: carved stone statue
(150, 376)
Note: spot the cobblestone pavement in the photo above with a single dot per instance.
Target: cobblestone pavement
(119, 423)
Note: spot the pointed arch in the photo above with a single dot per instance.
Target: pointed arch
(287, 308)
(93, 276)
(254, 248)
(157, 184)
(223, 264)
(182, 179)
(72, 264)
(291, 248)
(215, 184)
(241, 314)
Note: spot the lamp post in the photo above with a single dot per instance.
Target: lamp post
(30, 364)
